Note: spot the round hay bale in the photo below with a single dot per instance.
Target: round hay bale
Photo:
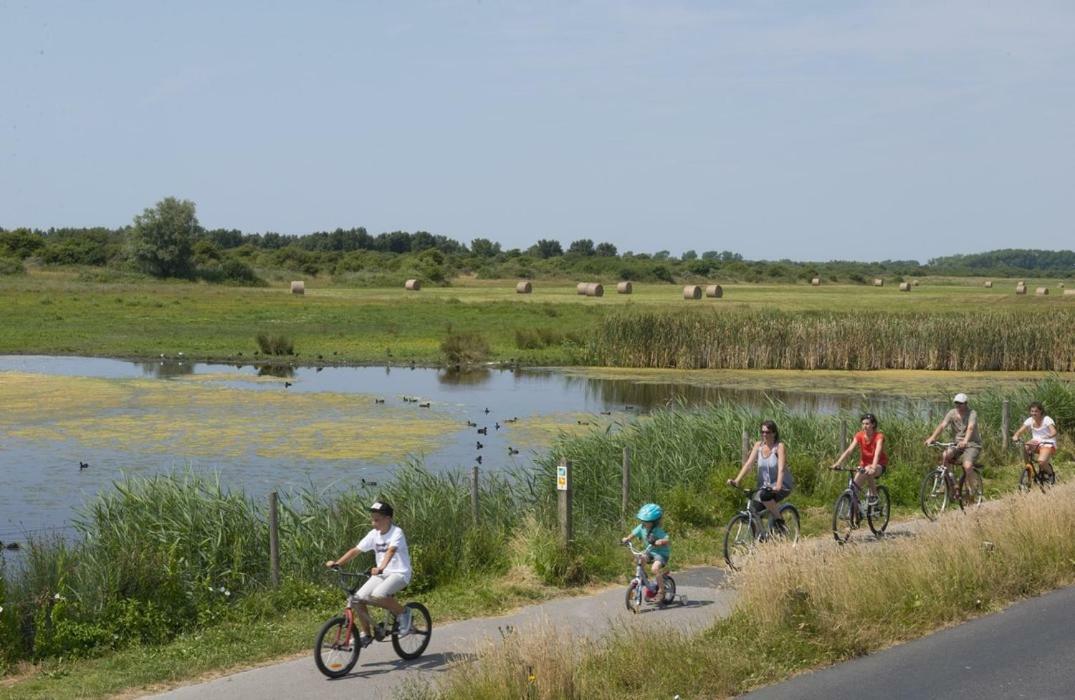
(624, 288)
(413, 285)
(1041, 292)
(905, 286)
(595, 289)
(1069, 292)
(879, 282)
(915, 283)
(298, 287)
(524, 287)
(989, 284)
(714, 291)
(692, 291)
(1060, 284)
(1020, 289)
(816, 282)
(580, 288)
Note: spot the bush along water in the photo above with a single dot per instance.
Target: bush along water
(159, 556)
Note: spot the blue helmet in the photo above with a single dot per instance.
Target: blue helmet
(650, 513)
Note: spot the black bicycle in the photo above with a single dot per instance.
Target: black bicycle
(848, 512)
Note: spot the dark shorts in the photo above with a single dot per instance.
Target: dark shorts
(767, 494)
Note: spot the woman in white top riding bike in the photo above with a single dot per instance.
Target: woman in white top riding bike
(774, 477)
(1043, 437)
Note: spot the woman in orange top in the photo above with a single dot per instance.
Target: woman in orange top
(872, 459)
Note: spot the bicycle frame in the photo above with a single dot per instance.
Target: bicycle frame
(1030, 469)
(953, 490)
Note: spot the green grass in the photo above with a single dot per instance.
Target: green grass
(59, 312)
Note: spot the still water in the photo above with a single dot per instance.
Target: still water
(288, 428)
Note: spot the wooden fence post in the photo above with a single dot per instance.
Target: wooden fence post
(843, 437)
(474, 495)
(1005, 423)
(745, 448)
(626, 485)
(563, 492)
(274, 541)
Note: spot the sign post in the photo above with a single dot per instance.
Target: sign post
(563, 493)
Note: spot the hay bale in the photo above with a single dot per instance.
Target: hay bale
(624, 288)
(413, 285)
(714, 291)
(595, 289)
(1041, 292)
(580, 288)
(1060, 284)
(989, 284)
(524, 287)
(298, 287)
(692, 291)
(1020, 289)
(1069, 292)
(816, 282)
(915, 283)
(905, 286)
(879, 282)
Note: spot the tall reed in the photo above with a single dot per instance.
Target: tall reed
(972, 341)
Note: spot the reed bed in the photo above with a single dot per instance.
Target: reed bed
(958, 569)
(973, 341)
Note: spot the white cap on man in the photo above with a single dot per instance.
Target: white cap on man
(959, 398)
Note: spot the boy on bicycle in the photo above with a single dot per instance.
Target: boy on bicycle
(964, 425)
(389, 575)
(650, 532)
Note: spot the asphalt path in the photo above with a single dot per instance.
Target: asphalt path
(1024, 651)
(380, 672)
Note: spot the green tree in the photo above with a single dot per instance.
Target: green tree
(484, 248)
(583, 246)
(689, 255)
(605, 250)
(162, 238)
(546, 249)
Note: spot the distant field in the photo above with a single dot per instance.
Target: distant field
(49, 312)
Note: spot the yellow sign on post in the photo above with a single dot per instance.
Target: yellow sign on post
(561, 478)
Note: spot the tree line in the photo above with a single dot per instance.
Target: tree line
(167, 240)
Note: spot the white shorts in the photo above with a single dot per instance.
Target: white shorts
(381, 586)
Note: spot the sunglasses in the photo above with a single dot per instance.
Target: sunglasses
(763, 430)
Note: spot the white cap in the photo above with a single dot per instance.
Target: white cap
(959, 398)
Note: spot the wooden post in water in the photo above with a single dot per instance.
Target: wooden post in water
(745, 450)
(474, 495)
(274, 541)
(563, 493)
(626, 485)
(1005, 422)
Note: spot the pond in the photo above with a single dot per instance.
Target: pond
(283, 428)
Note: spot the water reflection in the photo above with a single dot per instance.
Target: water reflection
(282, 371)
(464, 377)
(166, 369)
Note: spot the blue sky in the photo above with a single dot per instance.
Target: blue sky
(805, 130)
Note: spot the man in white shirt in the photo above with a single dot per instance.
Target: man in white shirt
(390, 573)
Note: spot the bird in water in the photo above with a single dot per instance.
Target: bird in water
(83, 465)
(479, 446)
(287, 384)
(512, 450)
(483, 431)
(479, 459)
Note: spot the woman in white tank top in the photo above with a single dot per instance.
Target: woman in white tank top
(774, 478)
(1043, 436)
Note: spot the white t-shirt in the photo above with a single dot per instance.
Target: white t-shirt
(375, 542)
(1041, 434)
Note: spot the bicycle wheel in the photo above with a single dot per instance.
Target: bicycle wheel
(336, 648)
(738, 541)
(877, 515)
(843, 520)
(790, 515)
(669, 590)
(933, 494)
(633, 599)
(412, 646)
(1024, 481)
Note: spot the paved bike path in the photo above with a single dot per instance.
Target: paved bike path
(1024, 651)
(379, 671)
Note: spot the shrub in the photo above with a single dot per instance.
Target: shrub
(465, 348)
(11, 266)
(275, 344)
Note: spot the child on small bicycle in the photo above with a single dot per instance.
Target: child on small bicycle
(774, 477)
(872, 458)
(391, 571)
(650, 532)
(1043, 437)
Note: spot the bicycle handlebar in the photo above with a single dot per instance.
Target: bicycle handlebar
(943, 444)
(637, 552)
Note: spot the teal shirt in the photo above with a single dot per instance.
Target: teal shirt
(658, 533)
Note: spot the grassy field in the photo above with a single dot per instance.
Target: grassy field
(63, 312)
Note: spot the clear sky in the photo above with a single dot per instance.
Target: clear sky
(807, 130)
